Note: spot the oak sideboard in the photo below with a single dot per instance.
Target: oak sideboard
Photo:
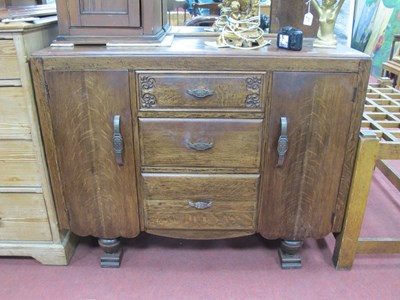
(198, 142)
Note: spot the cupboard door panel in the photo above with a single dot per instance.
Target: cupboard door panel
(299, 198)
(100, 195)
(103, 13)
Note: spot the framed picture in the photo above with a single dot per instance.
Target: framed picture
(375, 24)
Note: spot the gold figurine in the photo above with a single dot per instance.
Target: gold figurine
(328, 13)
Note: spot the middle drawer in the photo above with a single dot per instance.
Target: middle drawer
(223, 143)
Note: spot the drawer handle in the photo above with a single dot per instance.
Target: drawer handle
(200, 204)
(200, 93)
(118, 141)
(283, 142)
(200, 146)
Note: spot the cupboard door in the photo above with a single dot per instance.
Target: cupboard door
(99, 193)
(299, 197)
(105, 13)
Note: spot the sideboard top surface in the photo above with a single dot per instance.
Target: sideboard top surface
(193, 53)
(199, 46)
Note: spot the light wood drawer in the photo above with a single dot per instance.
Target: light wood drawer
(8, 60)
(23, 217)
(201, 90)
(233, 197)
(18, 164)
(232, 143)
(14, 120)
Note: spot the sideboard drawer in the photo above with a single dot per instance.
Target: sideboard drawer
(8, 60)
(13, 111)
(23, 217)
(230, 143)
(18, 164)
(170, 199)
(200, 90)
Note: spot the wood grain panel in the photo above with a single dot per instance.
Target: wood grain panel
(23, 217)
(196, 234)
(291, 13)
(206, 220)
(233, 198)
(299, 199)
(14, 116)
(101, 7)
(99, 13)
(18, 164)
(8, 60)
(229, 90)
(22, 206)
(24, 230)
(166, 142)
(221, 187)
(99, 194)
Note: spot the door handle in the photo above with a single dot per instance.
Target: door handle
(118, 141)
(283, 142)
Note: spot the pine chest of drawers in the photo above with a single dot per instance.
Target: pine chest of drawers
(190, 141)
(28, 222)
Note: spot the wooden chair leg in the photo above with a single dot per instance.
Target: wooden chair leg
(346, 241)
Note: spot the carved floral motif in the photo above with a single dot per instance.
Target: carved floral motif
(253, 85)
(147, 83)
(253, 101)
(148, 100)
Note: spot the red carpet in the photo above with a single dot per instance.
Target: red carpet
(244, 268)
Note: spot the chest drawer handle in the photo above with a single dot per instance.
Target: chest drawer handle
(200, 93)
(200, 204)
(118, 141)
(200, 146)
(283, 142)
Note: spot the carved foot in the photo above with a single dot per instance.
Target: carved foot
(112, 253)
(288, 254)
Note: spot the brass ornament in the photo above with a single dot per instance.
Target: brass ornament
(328, 12)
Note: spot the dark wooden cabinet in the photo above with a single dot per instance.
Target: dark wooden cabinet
(201, 136)
(104, 21)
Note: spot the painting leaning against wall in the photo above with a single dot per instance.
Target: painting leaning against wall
(375, 24)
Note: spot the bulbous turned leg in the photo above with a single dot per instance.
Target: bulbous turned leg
(112, 253)
(288, 254)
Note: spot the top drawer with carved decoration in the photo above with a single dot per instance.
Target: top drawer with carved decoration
(228, 91)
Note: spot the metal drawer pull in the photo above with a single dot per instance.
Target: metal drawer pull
(200, 146)
(200, 93)
(118, 141)
(283, 142)
(200, 204)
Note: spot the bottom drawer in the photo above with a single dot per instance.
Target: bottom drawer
(23, 217)
(170, 201)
